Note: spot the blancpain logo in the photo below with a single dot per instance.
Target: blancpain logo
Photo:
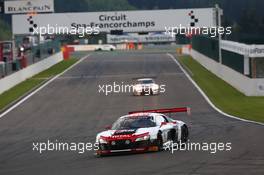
(28, 6)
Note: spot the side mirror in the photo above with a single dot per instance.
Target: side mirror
(107, 127)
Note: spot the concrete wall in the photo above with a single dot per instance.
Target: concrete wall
(23, 74)
(248, 86)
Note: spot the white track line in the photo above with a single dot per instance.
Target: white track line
(206, 97)
(41, 87)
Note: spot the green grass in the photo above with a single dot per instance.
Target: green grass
(56, 69)
(21, 89)
(224, 96)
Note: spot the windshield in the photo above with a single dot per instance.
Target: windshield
(134, 123)
(146, 81)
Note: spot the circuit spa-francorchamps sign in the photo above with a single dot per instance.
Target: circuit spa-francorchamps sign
(128, 21)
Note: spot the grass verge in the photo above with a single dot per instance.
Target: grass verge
(224, 96)
(26, 86)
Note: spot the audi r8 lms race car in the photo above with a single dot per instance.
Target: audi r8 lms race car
(145, 86)
(142, 131)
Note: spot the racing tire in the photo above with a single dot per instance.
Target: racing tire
(172, 135)
(184, 134)
(159, 142)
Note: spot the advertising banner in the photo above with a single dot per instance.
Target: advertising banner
(29, 6)
(136, 38)
(243, 49)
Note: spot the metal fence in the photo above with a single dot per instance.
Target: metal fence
(207, 46)
(31, 56)
(210, 47)
(258, 67)
(233, 61)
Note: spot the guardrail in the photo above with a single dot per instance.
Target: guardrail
(245, 59)
(245, 84)
(11, 80)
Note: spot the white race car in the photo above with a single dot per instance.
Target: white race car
(142, 131)
(105, 47)
(145, 86)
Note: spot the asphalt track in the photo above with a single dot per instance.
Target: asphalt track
(71, 109)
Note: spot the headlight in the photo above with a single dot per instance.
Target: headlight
(102, 140)
(142, 138)
(155, 87)
(22, 49)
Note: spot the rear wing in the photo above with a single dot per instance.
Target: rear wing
(163, 111)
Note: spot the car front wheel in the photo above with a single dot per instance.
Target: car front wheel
(159, 142)
(184, 134)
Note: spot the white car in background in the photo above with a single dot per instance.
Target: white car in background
(105, 47)
(145, 86)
